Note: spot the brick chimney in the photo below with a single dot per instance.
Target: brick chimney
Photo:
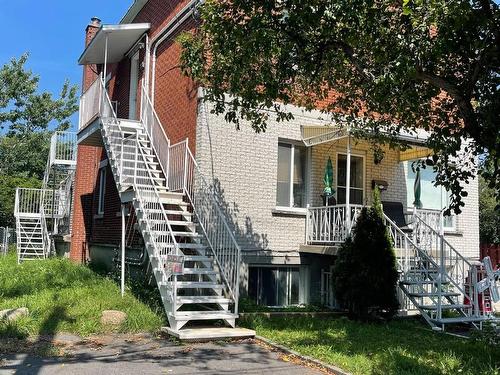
(89, 74)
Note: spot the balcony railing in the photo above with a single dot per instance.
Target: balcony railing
(330, 225)
(90, 104)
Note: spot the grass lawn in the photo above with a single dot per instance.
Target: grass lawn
(399, 347)
(65, 297)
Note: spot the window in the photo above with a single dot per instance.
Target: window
(432, 197)
(102, 190)
(291, 179)
(357, 181)
(274, 286)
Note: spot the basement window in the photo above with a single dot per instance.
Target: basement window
(102, 190)
(274, 286)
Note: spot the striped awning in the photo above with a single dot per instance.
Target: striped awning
(317, 134)
(415, 152)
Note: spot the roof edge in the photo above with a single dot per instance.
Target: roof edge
(133, 11)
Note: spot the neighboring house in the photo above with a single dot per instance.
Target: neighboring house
(260, 193)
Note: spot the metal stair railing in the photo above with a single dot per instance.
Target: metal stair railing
(160, 143)
(186, 176)
(147, 194)
(181, 170)
(412, 252)
(453, 264)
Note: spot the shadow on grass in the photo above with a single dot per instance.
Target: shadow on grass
(399, 347)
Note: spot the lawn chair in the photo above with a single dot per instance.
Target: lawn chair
(395, 212)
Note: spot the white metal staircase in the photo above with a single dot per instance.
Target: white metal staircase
(435, 278)
(42, 213)
(177, 214)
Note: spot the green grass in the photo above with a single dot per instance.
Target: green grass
(399, 347)
(65, 297)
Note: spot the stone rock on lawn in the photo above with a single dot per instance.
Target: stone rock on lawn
(113, 317)
(13, 314)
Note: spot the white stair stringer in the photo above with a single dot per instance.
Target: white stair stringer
(434, 284)
(165, 222)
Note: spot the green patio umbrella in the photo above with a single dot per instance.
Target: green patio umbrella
(417, 190)
(328, 179)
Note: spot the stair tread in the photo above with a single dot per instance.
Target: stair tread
(445, 306)
(204, 315)
(202, 299)
(434, 294)
(199, 271)
(198, 285)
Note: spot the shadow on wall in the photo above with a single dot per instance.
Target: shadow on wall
(246, 237)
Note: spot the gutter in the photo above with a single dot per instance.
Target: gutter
(164, 35)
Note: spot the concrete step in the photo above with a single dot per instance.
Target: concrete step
(210, 333)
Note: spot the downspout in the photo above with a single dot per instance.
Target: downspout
(164, 34)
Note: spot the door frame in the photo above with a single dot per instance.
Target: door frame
(133, 87)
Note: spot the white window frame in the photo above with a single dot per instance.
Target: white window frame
(447, 229)
(102, 190)
(307, 171)
(345, 187)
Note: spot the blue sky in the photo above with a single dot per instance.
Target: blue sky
(52, 31)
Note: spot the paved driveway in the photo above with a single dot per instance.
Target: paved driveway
(141, 354)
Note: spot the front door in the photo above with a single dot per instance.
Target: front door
(134, 84)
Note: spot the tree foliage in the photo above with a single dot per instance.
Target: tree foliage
(365, 274)
(28, 118)
(489, 218)
(432, 65)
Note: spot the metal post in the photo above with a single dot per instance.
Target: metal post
(348, 185)
(308, 219)
(105, 59)
(123, 252)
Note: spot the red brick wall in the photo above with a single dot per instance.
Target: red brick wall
(88, 160)
(176, 105)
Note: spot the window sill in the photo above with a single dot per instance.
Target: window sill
(99, 216)
(453, 232)
(289, 211)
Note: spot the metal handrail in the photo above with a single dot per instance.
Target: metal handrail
(142, 193)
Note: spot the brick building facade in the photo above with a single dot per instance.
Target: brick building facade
(242, 164)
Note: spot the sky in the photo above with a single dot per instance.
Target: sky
(53, 32)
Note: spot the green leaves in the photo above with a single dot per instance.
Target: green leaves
(429, 65)
(23, 109)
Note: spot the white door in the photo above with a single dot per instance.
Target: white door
(134, 84)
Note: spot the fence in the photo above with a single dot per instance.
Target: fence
(7, 237)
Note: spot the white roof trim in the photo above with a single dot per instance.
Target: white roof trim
(133, 11)
(121, 38)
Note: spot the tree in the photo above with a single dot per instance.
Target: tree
(383, 66)
(27, 119)
(489, 218)
(365, 274)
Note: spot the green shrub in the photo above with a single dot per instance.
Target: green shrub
(365, 273)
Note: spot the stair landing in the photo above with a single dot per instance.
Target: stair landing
(210, 333)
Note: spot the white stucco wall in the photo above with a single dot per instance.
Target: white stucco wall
(245, 166)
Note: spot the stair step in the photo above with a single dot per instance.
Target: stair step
(203, 315)
(465, 319)
(198, 285)
(199, 271)
(422, 282)
(198, 246)
(445, 307)
(187, 234)
(434, 294)
(175, 212)
(202, 299)
(197, 258)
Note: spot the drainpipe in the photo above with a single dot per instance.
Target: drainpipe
(165, 34)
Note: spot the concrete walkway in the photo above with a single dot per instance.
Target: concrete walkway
(142, 354)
